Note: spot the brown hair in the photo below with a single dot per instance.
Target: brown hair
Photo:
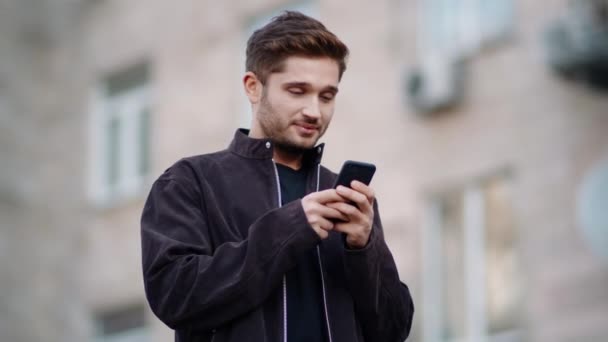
(291, 34)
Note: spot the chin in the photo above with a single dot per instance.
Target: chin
(307, 142)
(296, 145)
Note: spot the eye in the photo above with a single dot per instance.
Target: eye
(296, 91)
(327, 97)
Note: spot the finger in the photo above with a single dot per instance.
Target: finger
(323, 234)
(325, 224)
(319, 222)
(332, 213)
(355, 196)
(343, 227)
(351, 212)
(329, 195)
(364, 189)
(328, 212)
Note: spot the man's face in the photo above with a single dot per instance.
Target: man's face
(297, 103)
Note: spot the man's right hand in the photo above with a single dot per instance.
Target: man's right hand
(318, 214)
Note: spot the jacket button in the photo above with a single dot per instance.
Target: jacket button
(268, 144)
(319, 149)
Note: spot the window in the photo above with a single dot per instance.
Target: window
(121, 135)
(472, 272)
(592, 201)
(306, 7)
(123, 325)
(460, 27)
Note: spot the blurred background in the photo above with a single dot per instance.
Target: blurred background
(487, 119)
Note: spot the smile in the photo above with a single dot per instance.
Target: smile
(306, 129)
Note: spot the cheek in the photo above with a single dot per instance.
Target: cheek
(287, 110)
(328, 113)
(279, 101)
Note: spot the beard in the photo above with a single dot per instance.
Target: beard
(289, 147)
(275, 127)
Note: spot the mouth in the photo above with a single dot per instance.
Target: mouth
(306, 129)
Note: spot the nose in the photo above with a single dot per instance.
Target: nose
(312, 108)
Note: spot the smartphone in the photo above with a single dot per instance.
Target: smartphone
(354, 170)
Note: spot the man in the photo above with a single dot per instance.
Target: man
(252, 243)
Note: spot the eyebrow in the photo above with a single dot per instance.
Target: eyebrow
(330, 88)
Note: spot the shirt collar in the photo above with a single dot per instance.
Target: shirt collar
(248, 147)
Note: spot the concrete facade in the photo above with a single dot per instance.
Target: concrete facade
(64, 259)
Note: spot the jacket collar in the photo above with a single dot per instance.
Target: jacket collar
(248, 147)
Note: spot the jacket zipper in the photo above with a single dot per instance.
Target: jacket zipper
(276, 173)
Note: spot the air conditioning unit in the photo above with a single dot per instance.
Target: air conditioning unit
(437, 83)
(577, 43)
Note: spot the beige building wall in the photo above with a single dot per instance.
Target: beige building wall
(79, 259)
(41, 216)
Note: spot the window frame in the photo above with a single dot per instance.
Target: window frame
(139, 332)
(131, 107)
(474, 247)
(471, 29)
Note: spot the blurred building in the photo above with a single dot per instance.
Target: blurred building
(489, 130)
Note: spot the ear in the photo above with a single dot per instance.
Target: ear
(253, 87)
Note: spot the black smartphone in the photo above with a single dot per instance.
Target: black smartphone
(354, 170)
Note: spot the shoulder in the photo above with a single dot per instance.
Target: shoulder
(193, 169)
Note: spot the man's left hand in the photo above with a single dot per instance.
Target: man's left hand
(360, 213)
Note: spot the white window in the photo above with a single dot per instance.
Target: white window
(123, 325)
(592, 201)
(306, 7)
(472, 272)
(120, 132)
(460, 27)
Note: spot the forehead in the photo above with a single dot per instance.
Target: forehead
(316, 71)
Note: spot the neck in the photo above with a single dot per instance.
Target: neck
(292, 160)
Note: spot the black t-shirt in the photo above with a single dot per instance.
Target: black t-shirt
(305, 315)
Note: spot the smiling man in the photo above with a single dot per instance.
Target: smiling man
(252, 243)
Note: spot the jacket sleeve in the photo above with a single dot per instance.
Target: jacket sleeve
(383, 304)
(190, 286)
